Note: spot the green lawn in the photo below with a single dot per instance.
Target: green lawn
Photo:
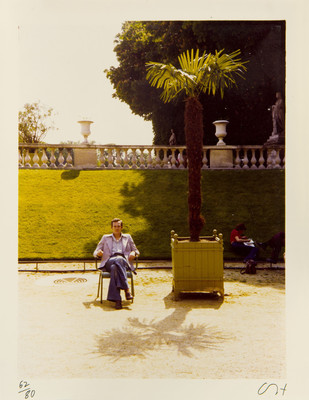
(63, 214)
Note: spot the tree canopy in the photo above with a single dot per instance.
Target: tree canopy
(262, 44)
(34, 121)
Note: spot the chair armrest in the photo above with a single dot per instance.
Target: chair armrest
(97, 259)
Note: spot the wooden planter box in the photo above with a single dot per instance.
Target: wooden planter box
(197, 266)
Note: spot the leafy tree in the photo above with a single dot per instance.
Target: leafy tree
(207, 74)
(247, 109)
(34, 121)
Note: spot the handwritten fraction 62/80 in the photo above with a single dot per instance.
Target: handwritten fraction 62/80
(26, 390)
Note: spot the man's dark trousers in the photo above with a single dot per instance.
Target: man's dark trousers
(117, 266)
(251, 252)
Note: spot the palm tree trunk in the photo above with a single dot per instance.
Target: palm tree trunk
(194, 141)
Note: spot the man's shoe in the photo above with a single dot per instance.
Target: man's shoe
(118, 305)
(129, 296)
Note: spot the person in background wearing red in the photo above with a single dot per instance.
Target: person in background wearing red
(240, 243)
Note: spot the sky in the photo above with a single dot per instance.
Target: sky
(61, 65)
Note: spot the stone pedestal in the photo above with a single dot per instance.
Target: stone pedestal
(85, 158)
(275, 138)
(221, 158)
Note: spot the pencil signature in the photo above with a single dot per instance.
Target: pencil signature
(272, 387)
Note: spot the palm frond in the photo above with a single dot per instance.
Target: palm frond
(208, 73)
(171, 79)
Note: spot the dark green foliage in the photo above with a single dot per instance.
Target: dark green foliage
(63, 214)
(262, 43)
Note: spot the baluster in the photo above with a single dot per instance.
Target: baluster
(261, 160)
(180, 159)
(27, 159)
(173, 159)
(134, 166)
(270, 160)
(125, 159)
(143, 159)
(60, 159)
(253, 160)
(277, 160)
(245, 159)
(20, 158)
(157, 160)
(36, 159)
(110, 158)
(102, 158)
(118, 159)
(237, 159)
(44, 159)
(69, 159)
(165, 159)
(52, 159)
(204, 161)
(149, 160)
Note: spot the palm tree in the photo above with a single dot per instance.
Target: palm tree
(209, 74)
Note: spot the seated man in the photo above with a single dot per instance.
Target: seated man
(240, 243)
(118, 252)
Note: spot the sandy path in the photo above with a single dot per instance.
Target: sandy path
(65, 333)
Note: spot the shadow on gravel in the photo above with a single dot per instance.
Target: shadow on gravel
(140, 338)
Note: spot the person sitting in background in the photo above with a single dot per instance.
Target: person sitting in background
(276, 242)
(118, 251)
(241, 244)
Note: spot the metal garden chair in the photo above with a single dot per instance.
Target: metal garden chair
(107, 275)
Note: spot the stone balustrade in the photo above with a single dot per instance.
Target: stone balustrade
(72, 156)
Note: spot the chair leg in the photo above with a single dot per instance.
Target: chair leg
(101, 294)
(100, 288)
(132, 286)
(99, 283)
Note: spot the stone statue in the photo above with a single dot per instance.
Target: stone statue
(172, 139)
(278, 115)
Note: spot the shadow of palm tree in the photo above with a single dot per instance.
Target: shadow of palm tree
(140, 337)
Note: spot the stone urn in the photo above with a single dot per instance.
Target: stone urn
(85, 129)
(221, 131)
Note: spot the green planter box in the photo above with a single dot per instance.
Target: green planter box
(197, 266)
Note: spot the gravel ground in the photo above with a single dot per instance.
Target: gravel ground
(65, 332)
